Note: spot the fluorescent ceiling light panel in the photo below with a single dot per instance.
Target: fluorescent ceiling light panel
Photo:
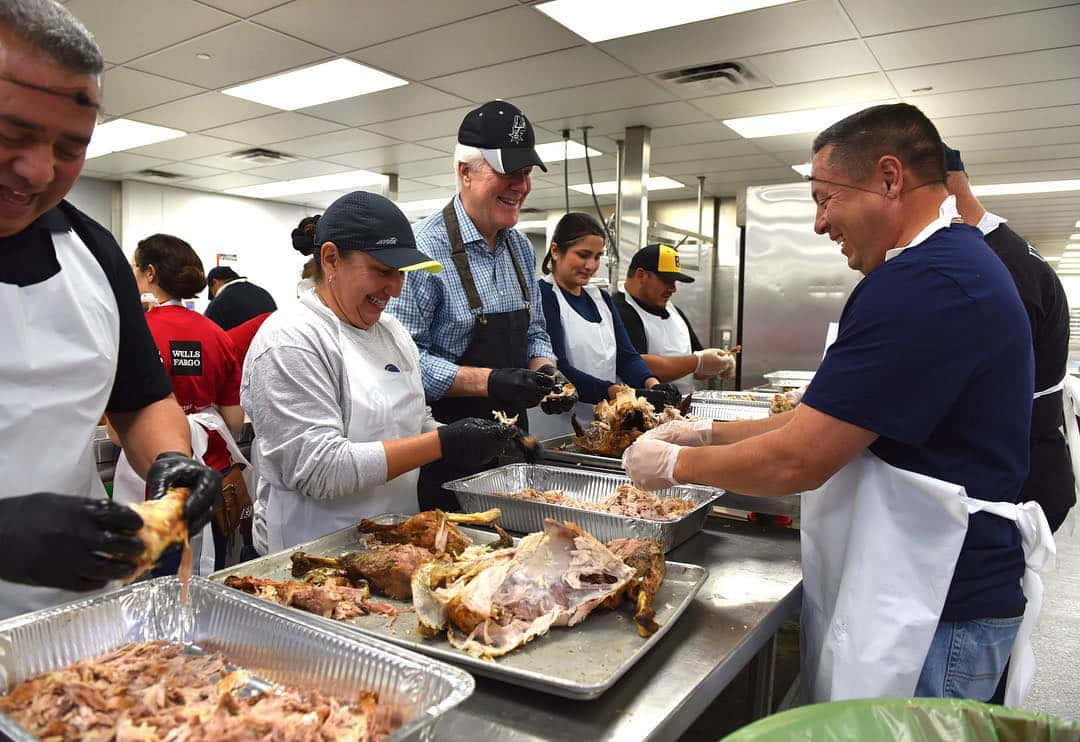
(1011, 189)
(553, 151)
(429, 204)
(310, 86)
(1075, 237)
(599, 20)
(534, 224)
(336, 182)
(1078, 225)
(794, 122)
(121, 134)
(607, 187)
(803, 169)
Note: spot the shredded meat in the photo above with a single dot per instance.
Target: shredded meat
(624, 500)
(156, 691)
(619, 422)
(326, 600)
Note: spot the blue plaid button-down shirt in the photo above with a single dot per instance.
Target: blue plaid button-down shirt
(435, 310)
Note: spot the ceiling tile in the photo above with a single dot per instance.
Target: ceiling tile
(706, 150)
(417, 191)
(447, 180)
(274, 128)
(298, 169)
(427, 126)
(224, 162)
(718, 164)
(443, 144)
(422, 168)
(787, 143)
(553, 71)
(991, 123)
(243, 8)
(873, 17)
(396, 103)
(336, 142)
(385, 157)
(842, 59)
(239, 52)
(187, 148)
(124, 91)
(605, 96)
(1008, 69)
(708, 131)
(615, 122)
(733, 36)
(1041, 168)
(122, 162)
(1005, 98)
(508, 34)
(229, 180)
(1020, 154)
(189, 170)
(1031, 138)
(820, 94)
(202, 112)
(343, 26)
(1040, 29)
(126, 29)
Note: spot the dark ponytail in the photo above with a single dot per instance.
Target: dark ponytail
(179, 269)
(572, 228)
(303, 241)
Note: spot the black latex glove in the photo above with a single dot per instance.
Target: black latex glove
(559, 404)
(60, 541)
(660, 395)
(474, 440)
(172, 469)
(518, 388)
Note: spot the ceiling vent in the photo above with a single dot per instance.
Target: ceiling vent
(260, 156)
(715, 78)
(160, 174)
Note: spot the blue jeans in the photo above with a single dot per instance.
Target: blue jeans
(966, 658)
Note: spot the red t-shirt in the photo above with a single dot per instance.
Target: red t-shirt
(244, 333)
(201, 362)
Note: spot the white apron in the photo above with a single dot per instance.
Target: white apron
(591, 348)
(60, 342)
(666, 337)
(385, 405)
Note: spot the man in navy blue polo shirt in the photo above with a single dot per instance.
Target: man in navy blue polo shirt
(925, 395)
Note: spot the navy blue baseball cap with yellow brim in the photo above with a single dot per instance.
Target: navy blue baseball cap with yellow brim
(373, 224)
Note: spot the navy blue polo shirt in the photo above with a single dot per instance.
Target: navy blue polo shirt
(934, 355)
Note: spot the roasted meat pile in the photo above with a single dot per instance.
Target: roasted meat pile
(155, 691)
(494, 602)
(328, 598)
(626, 500)
(646, 557)
(433, 530)
(619, 422)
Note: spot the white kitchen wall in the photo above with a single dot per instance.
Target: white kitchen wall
(254, 230)
(95, 198)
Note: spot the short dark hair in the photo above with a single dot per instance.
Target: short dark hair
(179, 269)
(898, 129)
(573, 227)
(51, 28)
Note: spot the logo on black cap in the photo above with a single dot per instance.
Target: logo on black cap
(517, 130)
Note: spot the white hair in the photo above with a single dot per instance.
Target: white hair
(471, 156)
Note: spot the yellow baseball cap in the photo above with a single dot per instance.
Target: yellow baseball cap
(660, 259)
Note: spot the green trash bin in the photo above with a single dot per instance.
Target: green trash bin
(908, 720)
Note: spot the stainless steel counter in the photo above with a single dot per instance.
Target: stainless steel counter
(754, 585)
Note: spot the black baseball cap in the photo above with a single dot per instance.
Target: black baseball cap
(503, 134)
(372, 223)
(221, 273)
(662, 260)
(953, 163)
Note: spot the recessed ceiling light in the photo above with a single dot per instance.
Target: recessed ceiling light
(607, 187)
(803, 169)
(794, 122)
(121, 134)
(1010, 189)
(319, 183)
(599, 20)
(553, 151)
(204, 56)
(429, 204)
(310, 86)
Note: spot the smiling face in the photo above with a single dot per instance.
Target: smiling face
(357, 286)
(43, 135)
(493, 201)
(577, 264)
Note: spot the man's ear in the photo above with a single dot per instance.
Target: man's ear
(892, 173)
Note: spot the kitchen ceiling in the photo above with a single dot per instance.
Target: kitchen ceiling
(1000, 78)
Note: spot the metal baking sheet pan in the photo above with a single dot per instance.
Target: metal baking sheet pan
(490, 489)
(579, 662)
(272, 643)
(564, 449)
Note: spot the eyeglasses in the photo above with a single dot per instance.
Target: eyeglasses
(815, 179)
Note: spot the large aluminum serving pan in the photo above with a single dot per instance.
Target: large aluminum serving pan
(267, 640)
(580, 662)
(490, 489)
(564, 449)
(789, 379)
(734, 397)
(728, 411)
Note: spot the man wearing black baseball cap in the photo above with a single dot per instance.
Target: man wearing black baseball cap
(664, 338)
(479, 325)
(242, 301)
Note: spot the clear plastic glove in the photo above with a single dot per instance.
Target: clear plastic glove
(556, 405)
(713, 362)
(474, 439)
(660, 395)
(650, 463)
(73, 543)
(174, 469)
(795, 396)
(683, 432)
(518, 388)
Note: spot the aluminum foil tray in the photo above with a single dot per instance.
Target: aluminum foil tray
(750, 397)
(564, 449)
(581, 662)
(489, 489)
(789, 379)
(273, 643)
(728, 411)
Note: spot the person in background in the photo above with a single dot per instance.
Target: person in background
(479, 325)
(333, 387)
(1050, 482)
(202, 366)
(74, 338)
(663, 337)
(234, 299)
(586, 332)
(910, 587)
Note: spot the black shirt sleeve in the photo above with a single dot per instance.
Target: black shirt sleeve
(635, 328)
(695, 344)
(140, 378)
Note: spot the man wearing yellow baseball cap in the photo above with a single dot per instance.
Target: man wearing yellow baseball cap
(664, 338)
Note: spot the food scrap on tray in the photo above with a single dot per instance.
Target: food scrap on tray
(619, 422)
(626, 499)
